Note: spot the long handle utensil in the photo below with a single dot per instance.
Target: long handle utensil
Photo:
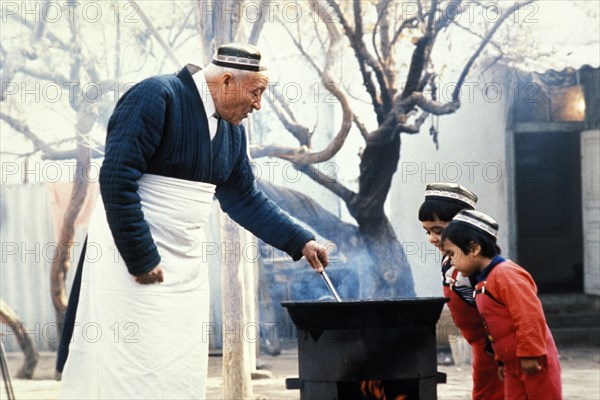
(330, 286)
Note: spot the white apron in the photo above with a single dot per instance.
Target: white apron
(134, 341)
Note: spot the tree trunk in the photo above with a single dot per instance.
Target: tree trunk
(219, 28)
(8, 317)
(60, 262)
(378, 165)
(236, 369)
(325, 223)
(372, 248)
(391, 276)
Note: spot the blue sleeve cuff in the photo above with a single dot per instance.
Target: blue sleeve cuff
(297, 243)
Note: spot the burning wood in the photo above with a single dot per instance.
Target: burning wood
(375, 390)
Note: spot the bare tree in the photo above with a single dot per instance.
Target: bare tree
(401, 101)
(8, 317)
(58, 52)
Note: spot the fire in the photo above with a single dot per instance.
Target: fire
(375, 389)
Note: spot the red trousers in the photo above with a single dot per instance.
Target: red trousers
(542, 385)
(486, 384)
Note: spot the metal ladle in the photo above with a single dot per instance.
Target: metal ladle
(330, 286)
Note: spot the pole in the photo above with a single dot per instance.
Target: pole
(6, 374)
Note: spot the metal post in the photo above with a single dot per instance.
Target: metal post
(6, 374)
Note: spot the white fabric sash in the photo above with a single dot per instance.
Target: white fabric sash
(134, 341)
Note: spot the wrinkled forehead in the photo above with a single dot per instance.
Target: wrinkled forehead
(257, 80)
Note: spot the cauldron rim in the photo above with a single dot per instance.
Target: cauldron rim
(369, 313)
(388, 301)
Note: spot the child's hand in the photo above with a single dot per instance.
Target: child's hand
(501, 372)
(530, 365)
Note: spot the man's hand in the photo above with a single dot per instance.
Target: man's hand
(153, 276)
(530, 365)
(316, 255)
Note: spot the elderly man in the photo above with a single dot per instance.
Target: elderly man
(174, 141)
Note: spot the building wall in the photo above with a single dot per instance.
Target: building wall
(473, 151)
(590, 172)
(28, 248)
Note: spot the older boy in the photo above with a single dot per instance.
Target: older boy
(442, 202)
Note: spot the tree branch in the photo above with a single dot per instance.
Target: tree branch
(22, 127)
(395, 120)
(258, 25)
(450, 13)
(300, 47)
(44, 74)
(362, 56)
(407, 23)
(312, 213)
(486, 40)
(336, 144)
(48, 153)
(361, 127)
(431, 20)
(181, 28)
(8, 317)
(382, 7)
(300, 132)
(388, 63)
(272, 150)
(421, 54)
(477, 34)
(433, 107)
(361, 48)
(304, 155)
(414, 128)
(97, 152)
(420, 10)
(327, 181)
(49, 35)
(167, 49)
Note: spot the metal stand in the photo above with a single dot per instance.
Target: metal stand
(6, 374)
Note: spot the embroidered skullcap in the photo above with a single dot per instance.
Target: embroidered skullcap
(478, 221)
(450, 192)
(239, 56)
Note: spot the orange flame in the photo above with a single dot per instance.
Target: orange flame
(376, 389)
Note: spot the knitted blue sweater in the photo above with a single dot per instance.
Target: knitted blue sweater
(159, 126)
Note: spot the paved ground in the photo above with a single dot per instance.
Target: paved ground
(580, 376)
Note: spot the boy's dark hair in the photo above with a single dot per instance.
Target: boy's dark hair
(444, 200)
(462, 236)
(444, 210)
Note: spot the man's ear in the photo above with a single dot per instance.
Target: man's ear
(227, 79)
(475, 248)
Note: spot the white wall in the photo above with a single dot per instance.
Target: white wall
(28, 249)
(590, 187)
(472, 152)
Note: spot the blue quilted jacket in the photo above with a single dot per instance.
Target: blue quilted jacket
(159, 126)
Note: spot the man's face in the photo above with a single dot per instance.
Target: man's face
(239, 98)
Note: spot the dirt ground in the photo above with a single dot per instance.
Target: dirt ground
(580, 377)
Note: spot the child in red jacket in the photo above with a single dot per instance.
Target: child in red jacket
(506, 298)
(442, 202)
